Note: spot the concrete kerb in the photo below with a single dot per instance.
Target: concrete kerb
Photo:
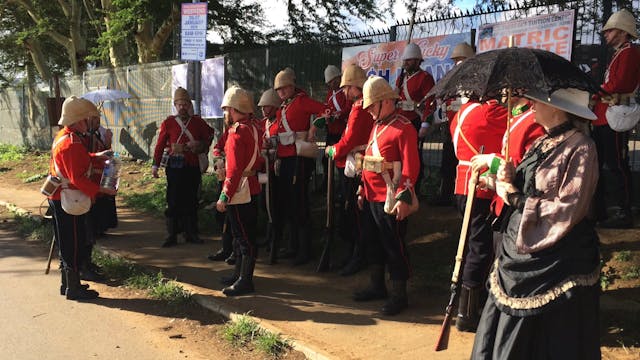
(206, 301)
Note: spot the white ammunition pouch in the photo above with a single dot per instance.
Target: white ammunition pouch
(407, 105)
(74, 202)
(623, 118)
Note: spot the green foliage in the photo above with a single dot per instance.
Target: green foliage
(32, 178)
(32, 228)
(245, 331)
(240, 332)
(12, 152)
(606, 277)
(623, 256)
(631, 273)
(152, 202)
(272, 344)
(136, 277)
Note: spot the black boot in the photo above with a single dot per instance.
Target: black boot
(398, 299)
(172, 230)
(88, 270)
(304, 248)
(244, 284)
(469, 308)
(227, 248)
(191, 230)
(356, 263)
(63, 283)
(229, 280)
(75, 291)
(377, 288)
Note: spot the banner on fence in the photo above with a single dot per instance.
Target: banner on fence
(385, 59)
(552, 32)
(211, 87)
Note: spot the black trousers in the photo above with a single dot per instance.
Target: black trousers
(387, 245)
(242, 223)
(613, 154)
(448, 168)
(293, 192)
(479, 252)
(71, 233)
(182, 191)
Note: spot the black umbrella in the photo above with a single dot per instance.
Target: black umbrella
(486, 75)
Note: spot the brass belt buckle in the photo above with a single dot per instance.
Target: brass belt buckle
(373, 164)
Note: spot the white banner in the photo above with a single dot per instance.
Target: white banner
(212, 87)
(553, 32)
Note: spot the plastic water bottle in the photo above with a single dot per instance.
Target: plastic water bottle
(111, 172)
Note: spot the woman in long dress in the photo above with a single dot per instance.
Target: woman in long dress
(543, 289)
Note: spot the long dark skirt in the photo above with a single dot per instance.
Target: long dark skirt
(566, 331)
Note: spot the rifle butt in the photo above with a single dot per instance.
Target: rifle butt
(445, 330)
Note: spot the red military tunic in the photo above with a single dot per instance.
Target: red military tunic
(398, 141)
(218, 148)
(170, 132)
(241, 145)
(356, 133)
(522, 133)
(73, 160)
(476, 125)
(416, 86)
(298, 111)
(339, 106)
(622, 77)
(97, 164)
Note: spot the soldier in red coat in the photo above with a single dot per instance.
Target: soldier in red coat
(71, 163)
(622, 80)
(523, 131)
(242, 150)
(390, 169)
(269, 104)
(477, 128)
(225, 253)
(353, 141)
(296, 152)
(185, 136)
(413, 85)
(442, 117)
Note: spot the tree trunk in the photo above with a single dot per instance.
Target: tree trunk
(117, 50)
(33, 46)
(150, 46)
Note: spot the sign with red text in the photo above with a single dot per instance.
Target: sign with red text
(194, 31)
(385, 59)
(552, 32)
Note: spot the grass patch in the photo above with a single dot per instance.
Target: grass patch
(623, 256)
(152, 201)
(12, 152)
(27, 178)
(33, 229)
(245, 331)
(134, 276)
(631, 273)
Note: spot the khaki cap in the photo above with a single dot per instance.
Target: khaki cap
(239, 99)
(353, 75)
(462, 50)
(622, 20)
(331, 72)
(376, 89)
(181, 94)
(284, 78)
(75, 109)
(270, 98)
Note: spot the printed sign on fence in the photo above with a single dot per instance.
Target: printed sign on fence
(385, 59)
(552, 32)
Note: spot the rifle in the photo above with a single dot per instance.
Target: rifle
(325, 258)
(53, 244)
(443, 339)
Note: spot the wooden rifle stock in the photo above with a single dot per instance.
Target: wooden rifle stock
(443, 339)
(53, 244)
(325, 258)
